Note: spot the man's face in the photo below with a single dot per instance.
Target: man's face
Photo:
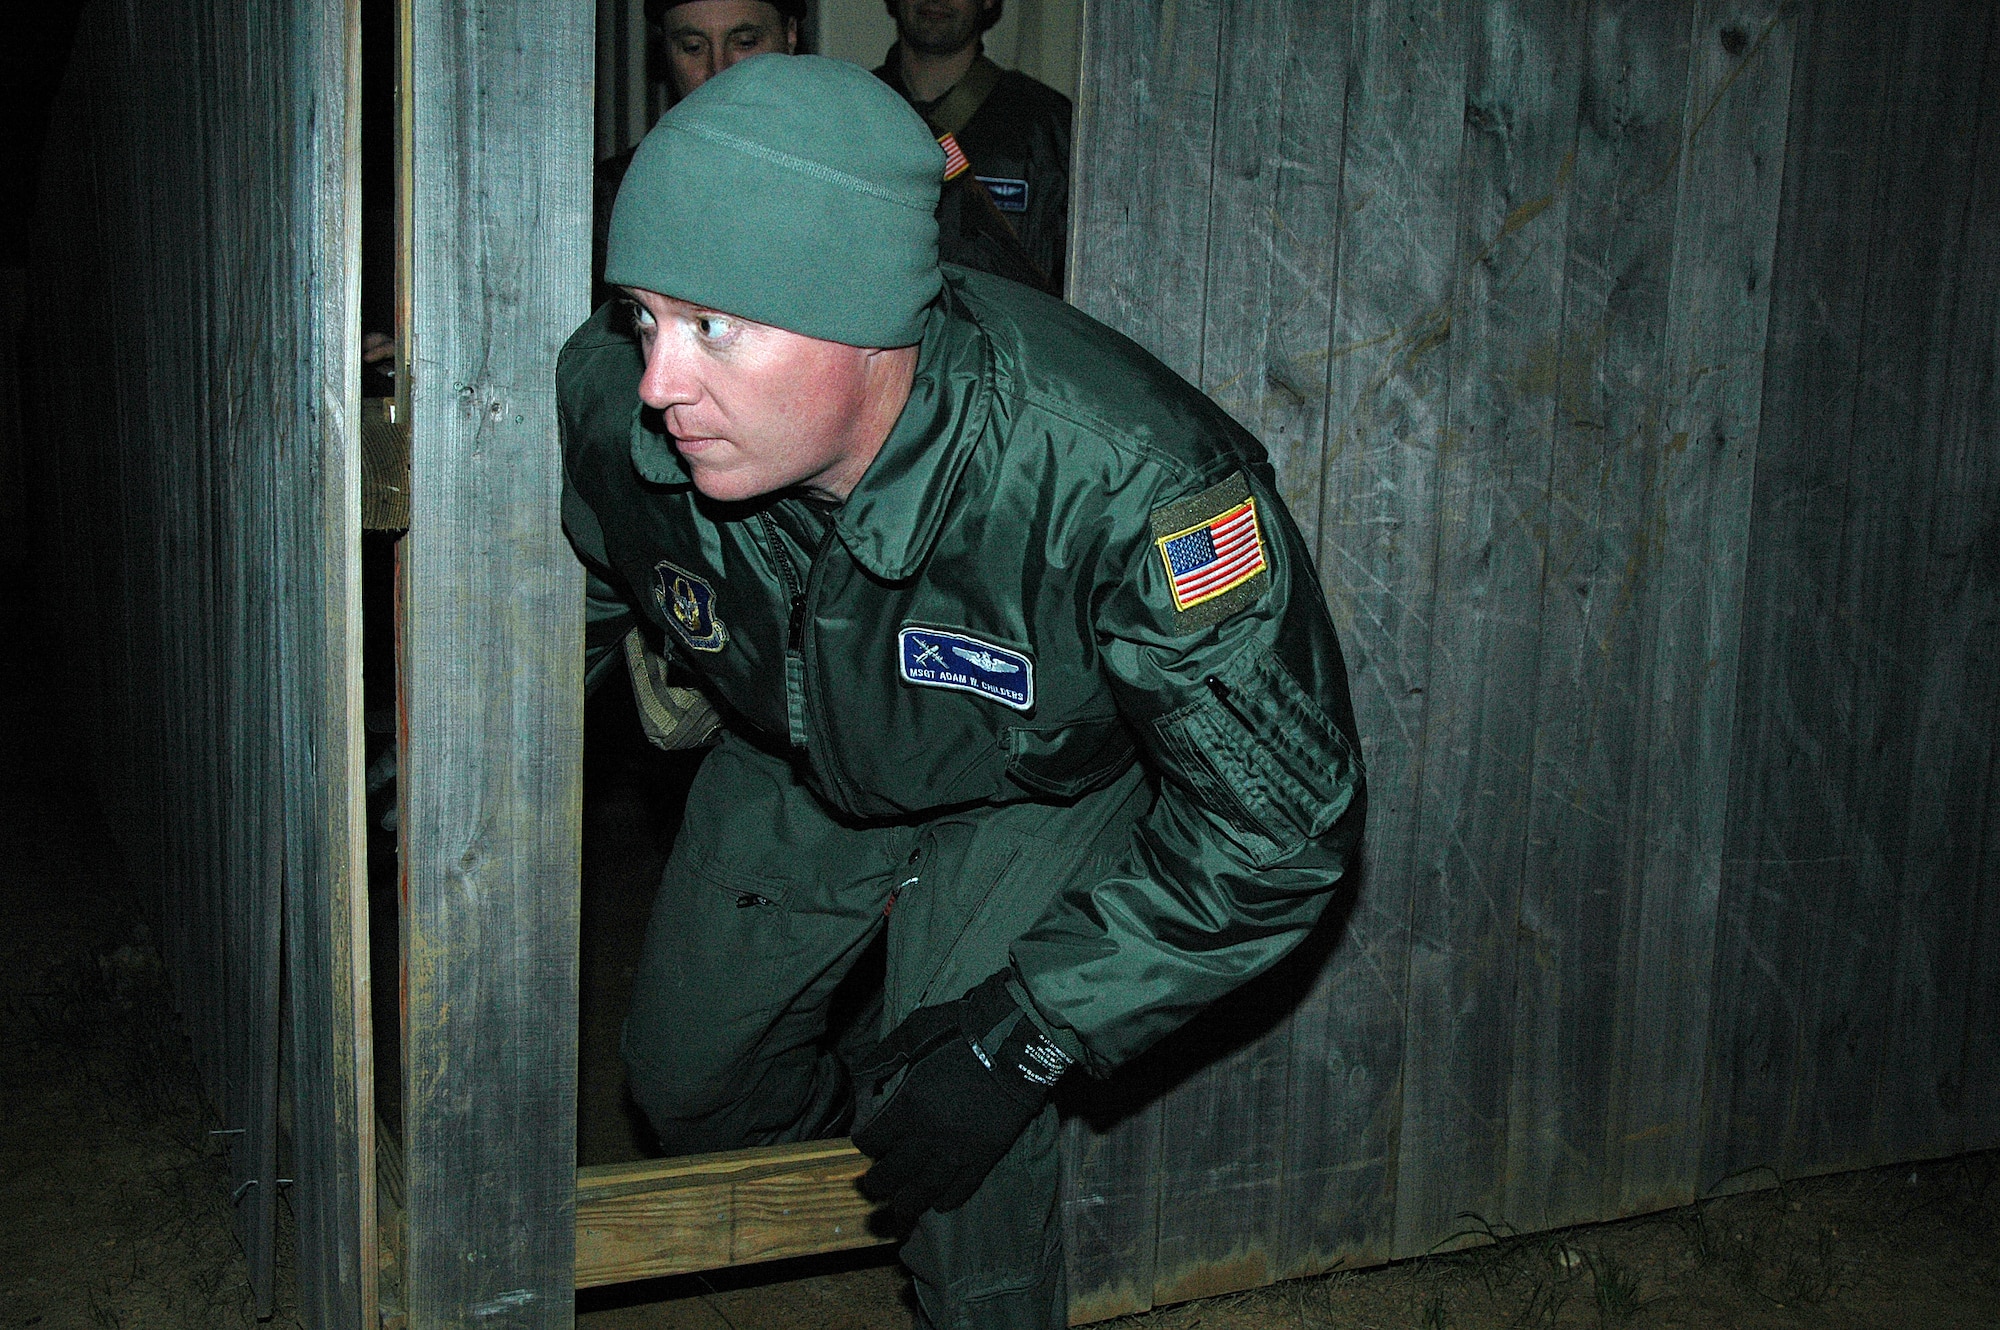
(752, 409)
(940, 27)
(708, 36)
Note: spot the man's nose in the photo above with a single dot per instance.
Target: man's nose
(666, 381)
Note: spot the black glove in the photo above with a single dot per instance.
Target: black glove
(975, 1072)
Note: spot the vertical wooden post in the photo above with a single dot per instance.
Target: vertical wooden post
(500, 96)
(328, 1035)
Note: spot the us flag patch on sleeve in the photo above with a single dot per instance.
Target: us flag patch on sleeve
(1212, 546)
(955, 163)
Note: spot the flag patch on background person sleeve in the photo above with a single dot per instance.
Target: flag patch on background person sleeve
(1212, 548)
(955, 163)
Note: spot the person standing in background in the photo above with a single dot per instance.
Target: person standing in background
(1013, 131)
(700, 39)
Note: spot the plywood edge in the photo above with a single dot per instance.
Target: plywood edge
(385, 466)
(703, 1212)
(392, 1233)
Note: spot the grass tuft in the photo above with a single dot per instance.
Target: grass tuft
(1616, 1287)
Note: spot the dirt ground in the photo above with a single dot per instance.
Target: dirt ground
(114, 1206)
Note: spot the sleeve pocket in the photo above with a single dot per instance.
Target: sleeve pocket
(1260, 751)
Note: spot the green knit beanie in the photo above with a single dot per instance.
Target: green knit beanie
(797, 191)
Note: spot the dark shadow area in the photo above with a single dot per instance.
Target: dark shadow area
(633, 795)
(115, 1203)
(1234, 1023)
(676, 1287)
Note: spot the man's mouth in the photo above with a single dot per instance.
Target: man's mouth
(687, 435)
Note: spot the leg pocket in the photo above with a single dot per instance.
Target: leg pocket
(765, 904)
(988, 877)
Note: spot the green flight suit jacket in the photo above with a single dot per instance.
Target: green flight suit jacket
(1018, 600)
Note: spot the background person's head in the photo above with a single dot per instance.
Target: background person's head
(701, 38)
(777, 233)
(942, 27)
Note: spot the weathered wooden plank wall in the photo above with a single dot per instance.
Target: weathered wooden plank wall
(492, 663)
(195, 370)
(1858, 897)
(1634, 367)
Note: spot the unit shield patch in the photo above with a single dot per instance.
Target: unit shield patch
(939, 658)
(689, 604)
(1213, 548)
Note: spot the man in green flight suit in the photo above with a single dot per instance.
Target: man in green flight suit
(1022, 662)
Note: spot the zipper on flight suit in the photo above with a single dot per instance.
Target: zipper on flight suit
(795, 624)
(798, 715)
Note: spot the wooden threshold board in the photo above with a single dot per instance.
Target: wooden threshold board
(702, 1212)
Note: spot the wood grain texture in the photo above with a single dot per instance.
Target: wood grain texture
(1657, 519)
(1515, 169)
(1219, 1163)
(1789, 840)
(1919, 1097)
(385, 468)
(1386, 403)
(702, 1212)
(1966, 539)
(1728, 179)
(1140, 216)
(209, 459)
(1914, 643)
(329, 1036)
(492, 678)
(1582, 837)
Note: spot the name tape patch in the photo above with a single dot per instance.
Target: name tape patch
(1008, 195)
(934, 658)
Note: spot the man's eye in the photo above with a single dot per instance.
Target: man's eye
(690, 46)
(642, 318)
(750, 41)
(714, 327)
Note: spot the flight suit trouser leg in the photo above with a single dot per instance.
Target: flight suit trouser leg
(766, 903)
(979, 879)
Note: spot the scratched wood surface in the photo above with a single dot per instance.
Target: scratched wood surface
(1627, 366)
(1632, 368)
(197, 385)
(491, 673)
(1865, 767)
(1949, 711)
(1219, 1217)
(1608, 378)
(1151, 107)
(1948, 959)
(1514, 167)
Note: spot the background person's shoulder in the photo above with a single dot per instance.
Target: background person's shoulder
(1032, 95)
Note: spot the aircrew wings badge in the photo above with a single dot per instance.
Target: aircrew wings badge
(1212, 546)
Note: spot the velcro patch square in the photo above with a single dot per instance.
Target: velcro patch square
(1212, 546)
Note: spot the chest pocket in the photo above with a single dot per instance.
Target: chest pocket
(1263, 754)
(1064, 761)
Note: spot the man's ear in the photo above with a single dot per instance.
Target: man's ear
(791, 36)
